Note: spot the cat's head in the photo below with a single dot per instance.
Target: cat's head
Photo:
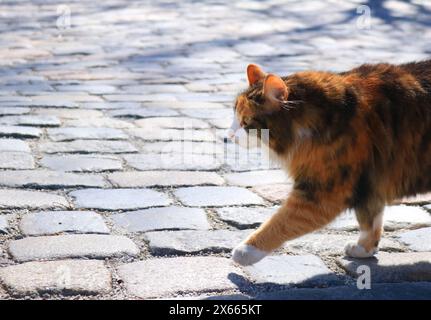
(259, 106)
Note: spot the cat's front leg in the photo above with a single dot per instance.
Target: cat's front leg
(371, 227)
(296, 217)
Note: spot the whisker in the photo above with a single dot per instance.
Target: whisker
(293, 101)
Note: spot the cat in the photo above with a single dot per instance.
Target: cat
(352, 140)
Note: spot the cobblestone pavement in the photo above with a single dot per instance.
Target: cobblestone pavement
(102, 194)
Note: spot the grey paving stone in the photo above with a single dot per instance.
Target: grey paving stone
(417, 240)
(188, 104)
(31, 120)
(22, 199)
(216, 196)
(305, 270)
(49, 104)
(333, 244)
(144, 112)
(19, 132)
(88, 146)
(102, 122)
(75, 96)
(167, 218)
(140, 97)
(399, 217)
(16, 160)
(69, 113)
(245, 217)
(93, 246)
(116, 199)
(274, 192)
(172, 123)
(66, 277)
(393, 267)
(13, 111)
(4, 224)
(222, 114)
(254, 178)
(394, 217)
(255, 49)
(190, 241)
(163, 134)
(81, 163)
(184, 147)
(420, 199)
(378, 291)
(346, 221)
(96, 89)
(172, 161)
(110, 105)
(147, 279)
(52, 222)
(133, 179)
(13, 145)
(66, 134)
(166, 88)
(49, 179)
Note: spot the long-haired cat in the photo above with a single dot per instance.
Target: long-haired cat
(352, 140)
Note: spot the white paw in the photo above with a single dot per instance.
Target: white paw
(246, 255)
(355, 250)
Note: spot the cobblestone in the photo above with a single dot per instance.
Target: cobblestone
(65, 134)
(393, 267)
(162, 219)
(147, 279)
(88, 146)
(81, 163)
(67, 277)
(72, 246)
(184, 242)
(116, 199)
(48, 179)
(29, 120)
(273, 192)
(173, 161)
(4, 224)
(254, 178)
(54, 222)
(418, 240)
(245, 217)
(394, 217)
(16, 160)
(216, 196)
(13, 145)
(306, 270)
(135, 179)
(22, 199)
(19, 132)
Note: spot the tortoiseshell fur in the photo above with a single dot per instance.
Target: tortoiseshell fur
(367, 143)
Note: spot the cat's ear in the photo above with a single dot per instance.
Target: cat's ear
(274, 89)
(254, 74)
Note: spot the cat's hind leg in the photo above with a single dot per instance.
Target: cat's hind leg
(371, 229)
